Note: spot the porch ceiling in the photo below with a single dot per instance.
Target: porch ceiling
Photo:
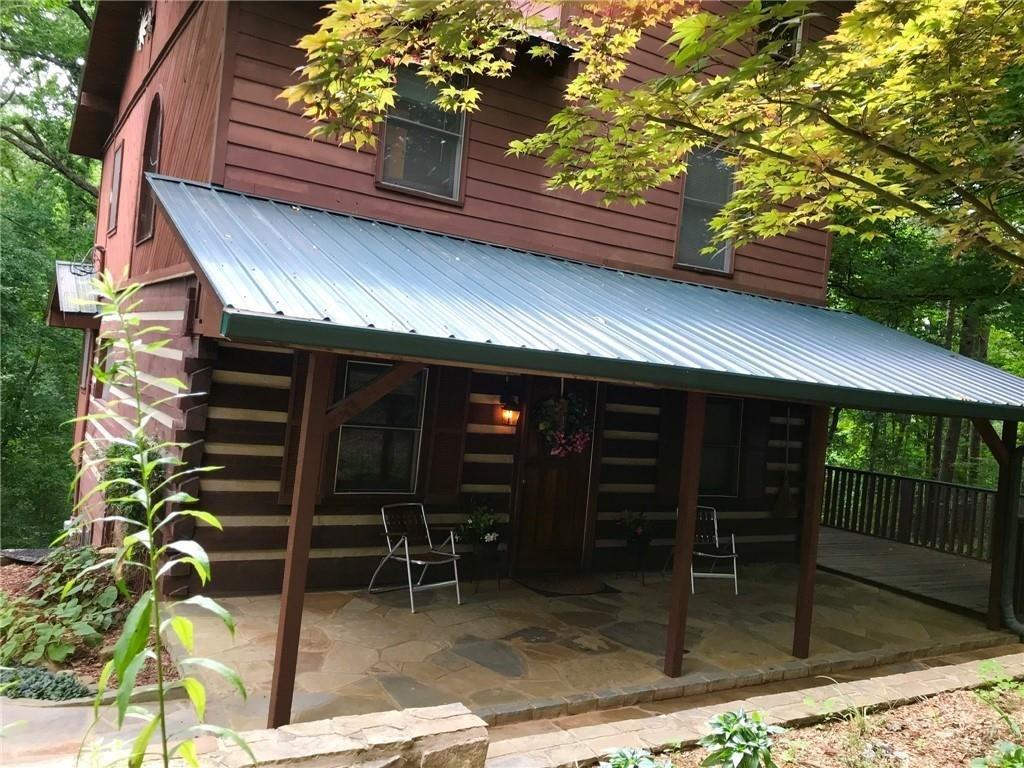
(305, 277)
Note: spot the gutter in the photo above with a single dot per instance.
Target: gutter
(1012, 554)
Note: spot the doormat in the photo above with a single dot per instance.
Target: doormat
(567, 586)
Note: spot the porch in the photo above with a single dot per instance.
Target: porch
(514, 654)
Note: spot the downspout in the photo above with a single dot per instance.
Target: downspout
(1011, 562)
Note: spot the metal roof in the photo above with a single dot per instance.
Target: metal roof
(75, 292)
(301, 276)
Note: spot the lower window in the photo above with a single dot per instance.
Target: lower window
(378, 450)
(720, 461)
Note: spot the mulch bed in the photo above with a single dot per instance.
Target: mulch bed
(87, 664)
(946, 730)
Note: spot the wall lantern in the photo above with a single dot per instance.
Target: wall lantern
(509, 410)
(509, 405)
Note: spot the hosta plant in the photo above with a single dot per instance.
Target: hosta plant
(632, 758)
(147, 484)
(740, 740)
(1006, 755)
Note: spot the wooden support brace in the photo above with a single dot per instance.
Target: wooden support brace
(357, 402)
(300, 530)
(686, 529)
(814, 491)
(993, 441)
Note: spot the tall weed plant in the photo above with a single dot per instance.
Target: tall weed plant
(144, 486)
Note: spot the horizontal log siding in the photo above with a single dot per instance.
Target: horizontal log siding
(184, 358)
(639, 463)
(268, 152)
(246, 434)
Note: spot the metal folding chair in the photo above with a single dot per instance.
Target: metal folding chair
(406, 528)
(707, 545)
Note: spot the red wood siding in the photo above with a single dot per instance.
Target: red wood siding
(182, 64)
(267, 152)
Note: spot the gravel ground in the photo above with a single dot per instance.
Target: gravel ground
(945, 730)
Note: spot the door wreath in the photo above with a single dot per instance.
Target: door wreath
(565, 425)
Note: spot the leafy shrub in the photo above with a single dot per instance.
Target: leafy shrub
(1007, 755)
(740, 740)
(122, 471)
(632, 758)
(49, 624)
(39, 683)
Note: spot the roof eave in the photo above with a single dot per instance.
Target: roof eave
(245, 326)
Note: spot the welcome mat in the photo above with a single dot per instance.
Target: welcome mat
(566, 586)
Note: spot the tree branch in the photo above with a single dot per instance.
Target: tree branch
(35, 149)
(79, 11)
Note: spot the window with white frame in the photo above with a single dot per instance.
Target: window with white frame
(422, 143)
(706, 189)
(720, 462)
(378, 450)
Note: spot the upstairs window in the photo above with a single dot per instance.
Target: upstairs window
(150, 164)
(708, 187)
(720, 462)
(114, 196)
(379, 450)
(785, 30)
(422, 146)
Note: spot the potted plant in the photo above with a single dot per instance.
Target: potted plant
(481, 531)
(638, 537)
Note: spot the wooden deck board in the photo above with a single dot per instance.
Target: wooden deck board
(949, 579)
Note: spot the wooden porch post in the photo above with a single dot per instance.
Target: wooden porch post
(814, 488)
(686, 525)
(300, 528)
(1004, 507)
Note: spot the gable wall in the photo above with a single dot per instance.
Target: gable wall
(181, 62)
(263, 149)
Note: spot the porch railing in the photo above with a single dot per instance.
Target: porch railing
(950, 518)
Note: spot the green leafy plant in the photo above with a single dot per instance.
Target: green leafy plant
(740, 740)
(633, 758)
(999, 686)
(120, 471)
(149, 481)
(1006, 755)
(52, 624)
(40, 683)
(481, 526)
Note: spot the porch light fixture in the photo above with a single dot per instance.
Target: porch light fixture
(509, 410)
(509, 405)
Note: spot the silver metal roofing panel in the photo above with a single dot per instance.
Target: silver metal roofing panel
(297, 275)
(75, 292)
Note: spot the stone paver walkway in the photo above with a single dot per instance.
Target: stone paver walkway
(513, 654)
(580, 740)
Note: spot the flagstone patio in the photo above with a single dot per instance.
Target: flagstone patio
(513, 654)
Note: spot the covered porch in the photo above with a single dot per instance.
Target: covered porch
(514, 654)
(327, 286)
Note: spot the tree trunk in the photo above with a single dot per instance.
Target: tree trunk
(935, 453)
(974, 448)
(951, 443)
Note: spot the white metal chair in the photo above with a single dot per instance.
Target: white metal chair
(405, 528)
(708, 545)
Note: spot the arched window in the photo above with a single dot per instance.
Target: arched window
(150, 164)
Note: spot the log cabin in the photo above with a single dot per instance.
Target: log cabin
(444, 278)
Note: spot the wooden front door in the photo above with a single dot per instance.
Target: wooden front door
(552, 495)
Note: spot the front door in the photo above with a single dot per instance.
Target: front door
(552, 499)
